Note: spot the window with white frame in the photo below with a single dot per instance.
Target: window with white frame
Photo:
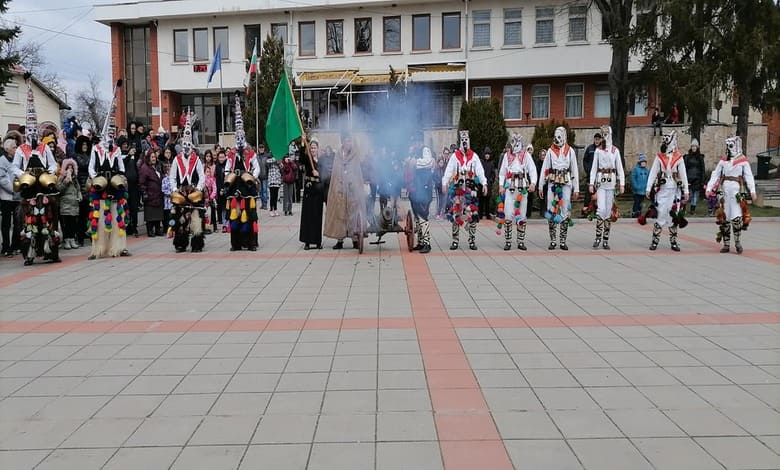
(12, 92)
(450, 31)
(513, 102)
(334, 36)
(545, 25)
(578, 23)
(540, 101)
(575, 95)
(601, 101)
(513, 26)
(307, 42)
(481, 19)
(279, 31)
(221, 40)
(637, 103)
(480, 93)
(181, 51)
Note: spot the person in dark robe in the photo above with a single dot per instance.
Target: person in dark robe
(313, 198)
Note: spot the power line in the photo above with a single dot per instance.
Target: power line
(43, 10)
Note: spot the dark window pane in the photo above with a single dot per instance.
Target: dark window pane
(279, 31)
(362, 35)
(251, 34)
(335, 36)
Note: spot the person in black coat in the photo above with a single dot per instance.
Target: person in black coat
(313, 198)
(694, 168)
(490, 175)
(131, 159)
(82, 149)
(587, 163)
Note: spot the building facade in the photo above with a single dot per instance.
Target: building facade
(13, 106)
(542, 59)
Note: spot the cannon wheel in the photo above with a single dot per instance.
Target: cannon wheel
(361, 233)
(409, 230)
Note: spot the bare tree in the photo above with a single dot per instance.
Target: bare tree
(90, 107)
(30, 53)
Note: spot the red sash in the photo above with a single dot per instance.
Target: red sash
(464, 160)
(186, 172)
(666, 162)
(563, 151)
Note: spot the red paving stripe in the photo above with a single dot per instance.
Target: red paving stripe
(460, 412)
(437, 336)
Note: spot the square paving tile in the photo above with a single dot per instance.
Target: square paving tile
(285, 429)
(525, 425)
(209, 458)
(164, 431)
(676, 453)
(83, 459)
(583, 424)
(608, 454)
(405, 426)
(408, 455)
(103, 432)
(148, 458)
(346, 428)
(542, 454)
(740, 452)
(644, 423)
(280, 456)
(225, 430)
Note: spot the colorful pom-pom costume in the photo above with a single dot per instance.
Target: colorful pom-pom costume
(732, 176)
(189, 208)
(242, 170)
(670, 182)
(561, 173)
(607, 179)
(463, 177)
(34, 168)
(517, 177)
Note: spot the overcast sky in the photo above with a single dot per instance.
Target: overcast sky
(54, 23)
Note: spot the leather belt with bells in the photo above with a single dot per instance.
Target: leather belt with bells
(518, 181)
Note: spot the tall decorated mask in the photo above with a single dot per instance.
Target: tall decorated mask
(559, 137)
(734, 146)
(465, 142)
(517, 144)
(31, 119)
(669, 143)
(239, 125)
(186, 139)
(606, 135)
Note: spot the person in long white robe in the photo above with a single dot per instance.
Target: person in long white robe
(668, 177)
(607, 179)
(562, 175)
(517, 179)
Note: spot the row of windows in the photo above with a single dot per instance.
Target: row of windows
(574, 104)
(391, 33)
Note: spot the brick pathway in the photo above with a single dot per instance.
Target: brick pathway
(326, 360)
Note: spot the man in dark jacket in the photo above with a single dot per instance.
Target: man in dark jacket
(130, 159)
(694, 167)
(262, 158)
(587, 162)
(490, 175)
(83, 149)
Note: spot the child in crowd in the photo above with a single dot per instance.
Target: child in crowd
(70, 197)
(167, 188)
(638, 184)
(210, 189)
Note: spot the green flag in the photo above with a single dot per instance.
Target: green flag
(284, 124)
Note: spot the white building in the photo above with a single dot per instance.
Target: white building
(13, 106)
(542, 59)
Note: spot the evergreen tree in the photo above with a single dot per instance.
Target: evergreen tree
(7, 59)
(543, 135)
(485, 122)
(270, 68)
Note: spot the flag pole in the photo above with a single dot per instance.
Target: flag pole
(221, 103)
(304, 138)
(257, 112)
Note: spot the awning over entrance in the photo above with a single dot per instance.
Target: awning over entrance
(329, 78)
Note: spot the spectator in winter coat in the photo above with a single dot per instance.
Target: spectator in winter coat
(83, 151)
(210, 190)
(262, 158)
(587, 162)
(131, 161)
(9, 200)
(219, 176)
(485, 200)
(274, 183)
(70, 197)
(638, 184)
(657, 121)
(289, 177)
(694, 167)
(150, 179)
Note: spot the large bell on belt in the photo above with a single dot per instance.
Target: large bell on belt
(99, 183)
(195, 197)
(248, 178)
(48, 181)
(230, 178)
(178, 198)
(119, 182)
(24, 181)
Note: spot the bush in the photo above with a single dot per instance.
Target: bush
(543, 135)
(485, 123)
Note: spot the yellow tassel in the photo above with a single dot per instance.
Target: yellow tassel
(244, 217)
(121, 232)
(233, 214)
(94, 237)
(96, 214)
(252, 203)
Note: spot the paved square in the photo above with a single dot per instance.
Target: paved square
(391, 360)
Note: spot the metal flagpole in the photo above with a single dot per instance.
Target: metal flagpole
(257, 112)
(221, 103)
